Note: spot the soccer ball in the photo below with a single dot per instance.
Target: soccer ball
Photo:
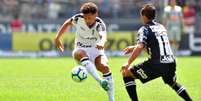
(79, 73)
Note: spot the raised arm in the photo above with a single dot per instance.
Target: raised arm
(66, 25)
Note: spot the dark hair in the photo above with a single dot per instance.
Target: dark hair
(89, 7)
(149, 11)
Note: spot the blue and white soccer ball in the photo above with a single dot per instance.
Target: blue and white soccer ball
(79, 73)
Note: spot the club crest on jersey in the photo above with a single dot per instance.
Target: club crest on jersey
(92, 32)
(92, 38)
(82, 28)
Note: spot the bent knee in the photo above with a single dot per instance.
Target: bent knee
(79, 54)
(127, 73)
(171, 84)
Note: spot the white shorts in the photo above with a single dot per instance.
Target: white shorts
(174, 34)
(92, 53)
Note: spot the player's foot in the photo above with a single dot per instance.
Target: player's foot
(104, 84)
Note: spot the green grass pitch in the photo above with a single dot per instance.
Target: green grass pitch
(49, 79)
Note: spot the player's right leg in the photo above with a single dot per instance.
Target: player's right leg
(181, 91)
(170, 79)
(129, 80)
(81, 55)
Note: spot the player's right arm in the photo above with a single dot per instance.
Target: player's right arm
(66, 25)
(129, 49)
(136, 50)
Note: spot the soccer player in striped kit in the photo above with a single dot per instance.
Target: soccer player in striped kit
(153, 37)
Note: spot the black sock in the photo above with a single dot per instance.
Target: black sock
(181, 91)
(131, 88)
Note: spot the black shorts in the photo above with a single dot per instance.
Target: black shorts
(148, 70)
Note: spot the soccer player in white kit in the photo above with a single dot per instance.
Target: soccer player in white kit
(173, 20)
(90, 39)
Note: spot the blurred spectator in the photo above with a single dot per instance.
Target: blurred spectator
(173, 20)
(198, 7)
(189, 14)
(8, 8)
(115, 4)
(105, 5)
(39, 9)
(53, 10)
(11, 5)
(181, 2)
(198, 16)
(16, 24)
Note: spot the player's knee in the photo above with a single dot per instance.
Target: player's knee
(126, 73)
(79, 54)
(172, 84)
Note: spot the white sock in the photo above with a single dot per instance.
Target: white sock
(91, 68)
(110, 92)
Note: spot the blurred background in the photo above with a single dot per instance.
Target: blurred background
(28, 27)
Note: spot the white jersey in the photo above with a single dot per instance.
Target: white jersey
(87, 36)
(173, 15)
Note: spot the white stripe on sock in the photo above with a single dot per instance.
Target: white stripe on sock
(130, 83)
(84, 58)
(180, 90)
(107, 73)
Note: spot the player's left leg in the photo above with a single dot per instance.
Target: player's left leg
(102, 66)
(181, 91)
(144, 71)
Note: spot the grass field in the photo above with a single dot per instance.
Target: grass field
(48, 79)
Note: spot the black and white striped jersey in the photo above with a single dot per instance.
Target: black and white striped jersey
(87, 35)
(154, 36)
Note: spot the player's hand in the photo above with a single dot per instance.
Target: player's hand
(128, 49)
(124, 66)
(99, 47)
(59, 44)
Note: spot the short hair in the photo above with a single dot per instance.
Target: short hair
(149, 11)
(89, 7)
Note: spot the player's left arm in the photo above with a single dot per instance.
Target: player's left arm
(103, 36)
(181, 18)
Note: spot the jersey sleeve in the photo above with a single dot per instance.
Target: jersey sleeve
(101, 29)
(142, 35)
(75, 18)
(180, 11)
(166, 11)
